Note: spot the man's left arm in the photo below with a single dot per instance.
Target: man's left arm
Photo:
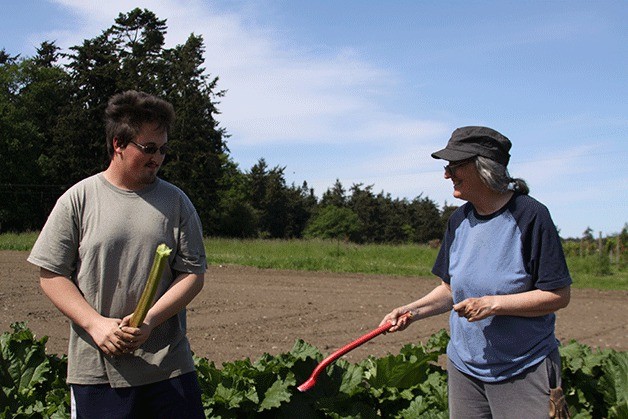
(185, 287)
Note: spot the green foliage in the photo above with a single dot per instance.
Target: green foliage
(408, 385)
(33, 383)
(386, 220)
(51, 136)
(426, 220)
(585, 273)
(372, 388)
(596, 382)
(51, 117)
(603, 265)
(333, 222)
(269, 199)
(587, 235)
(30, 95)
(51, 131)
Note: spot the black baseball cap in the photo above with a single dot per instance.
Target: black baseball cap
(467, 142)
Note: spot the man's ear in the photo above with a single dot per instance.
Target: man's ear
(116, 144)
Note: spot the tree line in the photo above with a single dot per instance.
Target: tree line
(52, 135)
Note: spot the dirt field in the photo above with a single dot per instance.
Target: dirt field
(244, 312)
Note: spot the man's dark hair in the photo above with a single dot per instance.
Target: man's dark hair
(127, 111)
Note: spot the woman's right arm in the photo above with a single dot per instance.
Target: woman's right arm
(438, 301)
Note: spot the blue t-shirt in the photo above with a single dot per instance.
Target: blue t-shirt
(514, 250)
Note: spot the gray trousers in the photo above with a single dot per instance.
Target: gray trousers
(524, 396)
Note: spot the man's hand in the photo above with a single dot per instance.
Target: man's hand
(106, 334)
(133, 337)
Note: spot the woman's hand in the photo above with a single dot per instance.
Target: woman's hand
(475, 309)
(397, 319)
(532, 303)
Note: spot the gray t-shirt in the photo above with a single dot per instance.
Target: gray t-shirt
(104, 239)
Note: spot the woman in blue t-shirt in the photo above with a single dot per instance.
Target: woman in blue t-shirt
(503, 276)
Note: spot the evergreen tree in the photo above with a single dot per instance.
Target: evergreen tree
(130, 55)
(331, 222)
(139, 36)
(396, 227)
(237, 218)
(52, 135)
(31, 93)
(425, 220)
(334, 196)
(199, 160)
(364, 204)
(269, 198)
(78, 147)
(301, 205)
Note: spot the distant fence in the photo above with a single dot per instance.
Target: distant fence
(26, 206)
(614, 247)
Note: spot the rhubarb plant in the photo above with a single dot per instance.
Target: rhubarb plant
(152, 283)
(410, 384)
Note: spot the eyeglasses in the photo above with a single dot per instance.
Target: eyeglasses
(450, 169)
(152, 148)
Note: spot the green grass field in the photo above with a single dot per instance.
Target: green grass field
(330, 256)
(319, 255)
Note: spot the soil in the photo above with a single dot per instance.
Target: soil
(244, 312)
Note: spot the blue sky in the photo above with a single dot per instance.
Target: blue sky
(363, 91)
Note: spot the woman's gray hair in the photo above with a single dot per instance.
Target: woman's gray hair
(496, 176)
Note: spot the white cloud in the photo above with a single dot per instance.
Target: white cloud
(276, 91)
(326, 114)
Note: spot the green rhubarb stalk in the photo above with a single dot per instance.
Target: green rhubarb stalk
(146, 300)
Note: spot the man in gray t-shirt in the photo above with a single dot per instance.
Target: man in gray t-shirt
(95, 253)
